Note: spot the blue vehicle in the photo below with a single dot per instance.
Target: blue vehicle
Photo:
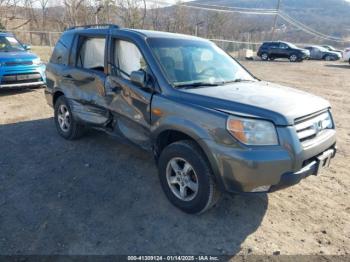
(18, 66)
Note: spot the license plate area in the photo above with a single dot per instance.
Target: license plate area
(324, 160)
(23, 77)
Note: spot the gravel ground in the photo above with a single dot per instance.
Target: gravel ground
(100, 196)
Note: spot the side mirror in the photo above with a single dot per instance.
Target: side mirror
(139, 78)
(27, 47)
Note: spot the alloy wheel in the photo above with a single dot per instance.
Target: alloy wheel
(63, 118)
(182, 179)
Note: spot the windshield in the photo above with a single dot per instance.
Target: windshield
(9, 44)
(293, 46)
(322, 49)
(191, 62)
(329, 47)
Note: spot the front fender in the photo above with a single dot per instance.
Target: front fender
(200, 124)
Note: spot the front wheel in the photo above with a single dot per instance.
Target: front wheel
(328, 58)
(186, 177)
(293, 58)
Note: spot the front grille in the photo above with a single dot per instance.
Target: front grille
(18, 63)
(309, 128)
(21, 78)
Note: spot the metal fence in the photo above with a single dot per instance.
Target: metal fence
(43, 42)
(37, 38)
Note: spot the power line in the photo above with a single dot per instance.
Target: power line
(218, 8)
(311, 31)
(281, 14)
(234, 7)
(285, 16)
(275, 20)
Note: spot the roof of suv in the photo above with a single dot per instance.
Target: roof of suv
(143, 33)
(160, 34)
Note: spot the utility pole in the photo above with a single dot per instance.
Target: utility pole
(275, 21)
(197, 25)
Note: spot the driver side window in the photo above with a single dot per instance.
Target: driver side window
(91, 54)
(128, 58)
(283, 46)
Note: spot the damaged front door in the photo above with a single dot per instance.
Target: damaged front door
(87, 79)
(130, 103)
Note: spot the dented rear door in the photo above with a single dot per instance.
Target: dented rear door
(84, 80)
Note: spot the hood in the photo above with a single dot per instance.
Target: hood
(277, 103)
(333, 53)
(17, 56)
(302, 50)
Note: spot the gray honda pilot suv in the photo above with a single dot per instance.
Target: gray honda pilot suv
(211, 125)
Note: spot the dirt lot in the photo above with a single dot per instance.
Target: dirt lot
(99, 196)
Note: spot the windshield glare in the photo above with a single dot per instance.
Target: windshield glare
(322, 49)
(187, 62)
(292, 46)
(9, 43)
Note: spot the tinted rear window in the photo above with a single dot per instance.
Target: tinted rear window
(270, 45)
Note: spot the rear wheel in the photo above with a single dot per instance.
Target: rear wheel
(293, 58)
(186, 177)
(264, 56)
(65, 123)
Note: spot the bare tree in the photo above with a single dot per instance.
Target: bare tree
(132, 12)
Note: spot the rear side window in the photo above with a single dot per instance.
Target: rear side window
(91, 54)
(60, 53)
(274, 45)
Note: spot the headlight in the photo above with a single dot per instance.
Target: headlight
(37, 61)
(252, 131)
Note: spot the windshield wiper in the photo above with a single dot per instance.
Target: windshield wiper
(238, 80)
(196, 84)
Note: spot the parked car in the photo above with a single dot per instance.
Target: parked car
(321, 53)
(346, 54)
(273, 50)
(331, 48)
(210, 124)
(18, 66)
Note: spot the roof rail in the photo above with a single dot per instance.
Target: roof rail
(108, 26)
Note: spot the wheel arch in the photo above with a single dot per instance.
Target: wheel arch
(56, 95)
(169, 136)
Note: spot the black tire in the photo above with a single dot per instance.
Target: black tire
(349, 60)
(328, 58)
(75, 130)
(293, 58)
(207, 193)
(264, 56)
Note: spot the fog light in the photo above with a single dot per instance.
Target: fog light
(261, 189)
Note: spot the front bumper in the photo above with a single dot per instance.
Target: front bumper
(27, 84)
(290, 179)
(305, 56)
(247, 169)
(22, 76)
